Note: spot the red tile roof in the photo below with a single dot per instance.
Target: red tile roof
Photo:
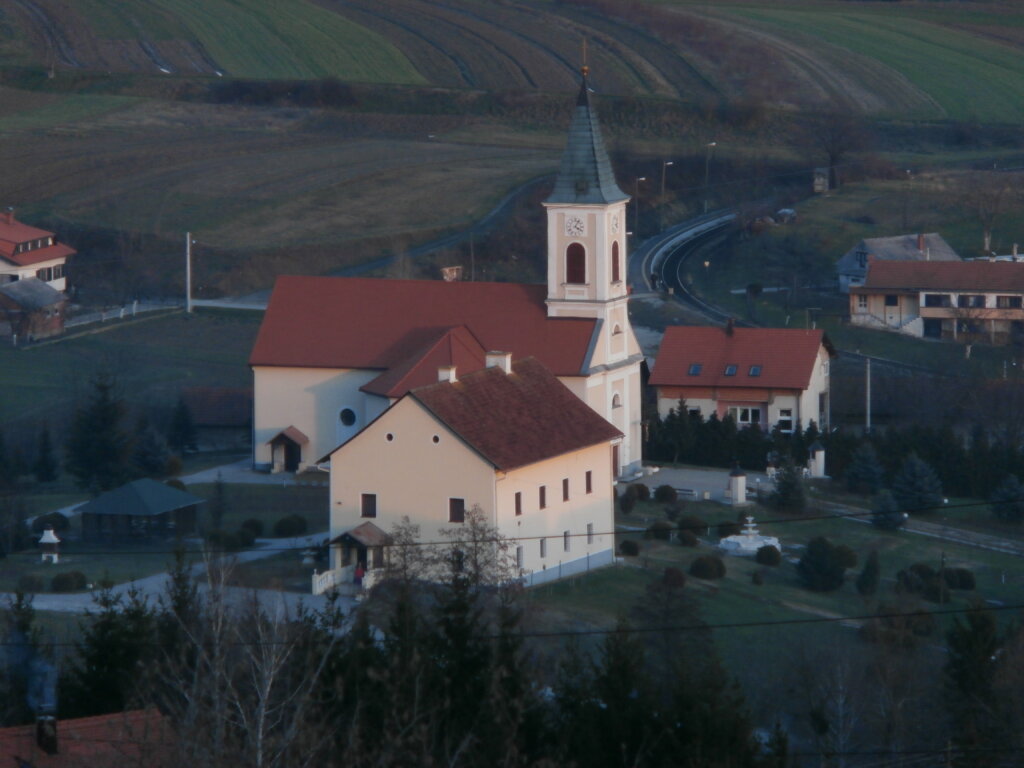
(518, 418)
(106, 741)
(455, 346)
(786, 357)
(14, 232)
(339, 322)
(293, 433)
(944, 276)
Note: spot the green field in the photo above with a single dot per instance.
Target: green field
(151, 359)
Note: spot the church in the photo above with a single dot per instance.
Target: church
(334, 354)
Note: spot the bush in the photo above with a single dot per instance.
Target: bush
(673, 511)
(292, 525)
(768, 555)
(674, 578)
(71, 581)
(692, 524)
(959, 578)
(708, 567)
(627, 500)
(886, 512)
(660, 530)
(917, 488)
(1007, 501)
(921, 579)
(245, 537)
(254, 525)
(223, 540)
(629, 548)
(728, 528)
(30, 583)
(687, 538)
(640, 491)
(867, 581)
(54, 520)
(666, 494)
(756, 578)
(823, 565)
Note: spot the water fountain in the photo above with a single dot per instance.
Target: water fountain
(748, 541)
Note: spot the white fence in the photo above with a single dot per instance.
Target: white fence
(119, 313)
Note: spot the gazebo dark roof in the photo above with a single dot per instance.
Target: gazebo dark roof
(585, 176)
(141, 498)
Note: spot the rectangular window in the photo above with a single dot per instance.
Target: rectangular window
(542, 497)
(862, 301)
(543, 547)
(937, 300)
(519, 558)
(785, 422)
(58, 272)
(368, 505)
(456, 510)
(745, 416)
(565, 489)
(566, 539)
(970, 300)
(589, 481)
(892, 300)
(590, 533)
(695, 369)
(519, 502)
(1008, 302)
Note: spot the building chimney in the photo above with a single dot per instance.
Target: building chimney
(1014, 251)
(9, 214)
(447, 373)
(46, 734)
(920, 242)
(501, 360)
(730, 326)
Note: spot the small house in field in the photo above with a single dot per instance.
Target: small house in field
(32, 310)
(764, 377)
(140, 509)
(852, 268)
(26, 252)
(510, 439)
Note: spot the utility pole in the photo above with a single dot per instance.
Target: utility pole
(707, 170)
(867, 395)
(188, 273)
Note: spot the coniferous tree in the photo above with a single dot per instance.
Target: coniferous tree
(1007, 501)
(865, 474)
(45, 466)
(917, 488)
(823, 565)
(182, 434)
(22, 646)
(149, 458)
(98, 448)
(973, 647)
(789, 494)
(6, 467)
(886, 512)
(867, 581)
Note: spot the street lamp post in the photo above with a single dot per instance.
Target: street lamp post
(664, 164)
(636, 203)
(707, 170)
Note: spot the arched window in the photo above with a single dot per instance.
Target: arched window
(616, 330)
(616, 400)
(615, 262)
(575, 264)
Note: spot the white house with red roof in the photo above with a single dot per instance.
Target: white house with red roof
(332, 354)
(26, 251)
(767, 377)
(508, 438)
(971, 301)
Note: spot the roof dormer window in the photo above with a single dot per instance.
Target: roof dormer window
(730, 370)
(755, 371)
(695, 369)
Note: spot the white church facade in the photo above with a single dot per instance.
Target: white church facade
(333, 354)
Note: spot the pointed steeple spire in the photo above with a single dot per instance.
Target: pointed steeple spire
(585, 176)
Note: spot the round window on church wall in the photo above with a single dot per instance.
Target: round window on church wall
(348, 417)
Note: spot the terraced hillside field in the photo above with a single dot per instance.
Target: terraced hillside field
(918, 60)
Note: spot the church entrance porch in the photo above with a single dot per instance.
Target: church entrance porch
(286, 450)
(360, 550)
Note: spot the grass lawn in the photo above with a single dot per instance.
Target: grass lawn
(150, 358)
(117, 563)
(268, 503)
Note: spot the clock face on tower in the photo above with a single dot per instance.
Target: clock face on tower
(615, 224)
(573, 226)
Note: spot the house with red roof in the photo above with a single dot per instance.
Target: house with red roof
(508, 438)
(334, 353)
(969, 301)
(26, 251)
(766, 377)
